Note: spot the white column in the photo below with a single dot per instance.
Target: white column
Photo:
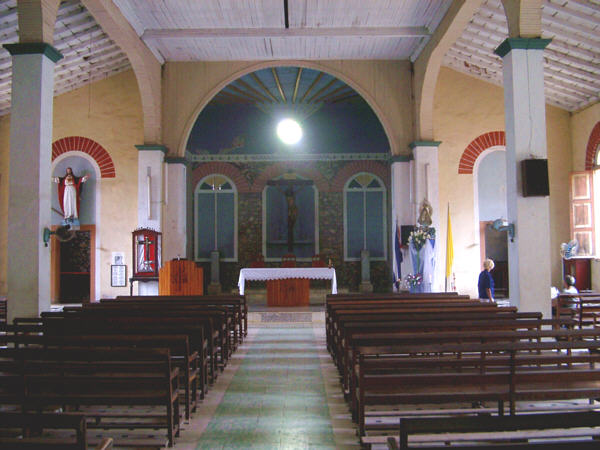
(150, 185)
(175, 212)
(150, 198)
(426, 186)
(525, 115)
(402, 204)
(28, 271)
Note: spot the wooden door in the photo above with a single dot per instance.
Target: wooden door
(72, 267)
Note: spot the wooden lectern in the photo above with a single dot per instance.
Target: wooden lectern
(180, 277)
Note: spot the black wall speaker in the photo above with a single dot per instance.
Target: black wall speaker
(405, 231)
(534, 173)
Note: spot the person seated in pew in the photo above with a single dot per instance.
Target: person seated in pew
(569, 288)
(485, 284)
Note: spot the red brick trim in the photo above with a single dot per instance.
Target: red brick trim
(592, 147)
(301, 168)
(88, 146)
(376, 168)
(478, 146)
(230, 171)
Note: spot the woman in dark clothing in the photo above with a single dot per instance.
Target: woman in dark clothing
(486, 282)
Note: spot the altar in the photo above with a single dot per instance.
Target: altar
(287, 286)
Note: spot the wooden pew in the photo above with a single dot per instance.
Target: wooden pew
(221, 316)
(73, 377)
(503, 372)
(134, 321)
(489, 432)
(233, 307)
(234, 300)
(378, 298)
(3, 312)
(182, 356)
(481, 331)
(423, 323)
(340, 317)
(376, 295)
(40, 422)
(333, 306)
(585, 307)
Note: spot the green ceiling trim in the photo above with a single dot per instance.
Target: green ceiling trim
(401, 158)
(152, 147)
(289, 157)
(414, 144)
(40, 48)
(176, 160)
(521, 43)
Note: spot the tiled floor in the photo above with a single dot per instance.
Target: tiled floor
(281, 391)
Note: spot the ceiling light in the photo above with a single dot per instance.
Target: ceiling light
(289, 131)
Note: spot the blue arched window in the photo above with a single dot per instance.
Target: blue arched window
(215, 218)
(364, 217)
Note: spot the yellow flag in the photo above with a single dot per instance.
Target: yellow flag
(449, 247)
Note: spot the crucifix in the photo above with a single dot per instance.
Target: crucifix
(145, 256)
(286, 187)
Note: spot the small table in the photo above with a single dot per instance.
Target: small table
(138, 279)
(287, 286)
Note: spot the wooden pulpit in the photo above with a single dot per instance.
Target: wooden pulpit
(180, 277)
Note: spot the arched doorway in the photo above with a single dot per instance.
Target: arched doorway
(73, 253)
(237, 128)
(490, 176)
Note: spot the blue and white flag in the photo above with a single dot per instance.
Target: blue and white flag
(397, 262)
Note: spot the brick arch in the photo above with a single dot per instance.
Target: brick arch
(478, 146)
(304, 169)
(381, 170)
(592, 147)
(230, 171)
(88, 146)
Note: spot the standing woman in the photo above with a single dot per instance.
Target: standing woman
(486, 282)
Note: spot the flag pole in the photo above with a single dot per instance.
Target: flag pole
(449, 249)
(447, 231)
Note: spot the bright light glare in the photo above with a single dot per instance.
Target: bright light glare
(289, 131)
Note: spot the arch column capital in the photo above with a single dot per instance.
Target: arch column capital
(524, 18)
(37, 19)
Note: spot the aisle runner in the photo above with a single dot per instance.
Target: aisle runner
(276, 398)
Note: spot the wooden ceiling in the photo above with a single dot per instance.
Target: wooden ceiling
(303, 91)
(211, 30)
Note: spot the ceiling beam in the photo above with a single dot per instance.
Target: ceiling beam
(297, 84)
(276, 78)
(146, 66)
(329, 95)
(232, 97)
(343, 97)
(323, 89)
(427, 65)
(254, 91)
(243, 93)
(211, 33)
(262, 86)
(590, 19)
(312, 85)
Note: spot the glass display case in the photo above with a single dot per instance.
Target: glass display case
(147, 253)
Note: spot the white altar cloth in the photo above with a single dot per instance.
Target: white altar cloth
(263, 274)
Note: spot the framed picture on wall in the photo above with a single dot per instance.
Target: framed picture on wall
(118, 275)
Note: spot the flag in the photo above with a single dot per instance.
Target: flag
(449, 246)
(397, 257)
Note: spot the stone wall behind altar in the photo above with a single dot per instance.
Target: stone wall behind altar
(329, 178)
